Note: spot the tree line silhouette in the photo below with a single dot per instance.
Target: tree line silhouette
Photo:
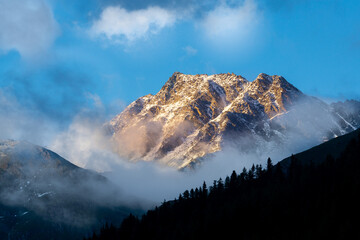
(299, 201)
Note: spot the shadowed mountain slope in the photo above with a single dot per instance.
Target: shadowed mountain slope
(43, 196)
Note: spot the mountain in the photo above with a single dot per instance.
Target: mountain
(22, 161)
(43, 196)
(286, 201)
(320, 153)
(193, 116)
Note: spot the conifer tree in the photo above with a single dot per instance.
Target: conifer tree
(233, 179)
(251, 173)
(205, 190)
(192, 193)
(220, 184)
(214, 187)
(197, 193)
(186, 194)
(269, 164)
(243, 175)
(227, 182)
(258, 170)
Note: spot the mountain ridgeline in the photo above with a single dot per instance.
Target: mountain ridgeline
(193, 116)
(43, 196)
(310, 197)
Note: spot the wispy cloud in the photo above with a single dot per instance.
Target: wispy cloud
(21, 122)
(227, 24)
(27, 26)
(35, 105)
(119, 24)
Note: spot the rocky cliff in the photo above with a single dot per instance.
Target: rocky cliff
(195, 115)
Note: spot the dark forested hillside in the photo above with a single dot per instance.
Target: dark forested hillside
(44, 196)
(307, 201)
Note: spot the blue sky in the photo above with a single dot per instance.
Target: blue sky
(59, 57)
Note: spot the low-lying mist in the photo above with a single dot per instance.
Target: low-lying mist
(85, 144)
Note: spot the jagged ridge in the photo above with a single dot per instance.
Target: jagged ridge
(192, 115)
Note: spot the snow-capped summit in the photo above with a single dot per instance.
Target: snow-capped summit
(193, 115)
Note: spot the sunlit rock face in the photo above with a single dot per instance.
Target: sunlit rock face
(195, 115)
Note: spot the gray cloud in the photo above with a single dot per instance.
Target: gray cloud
(20, 122)
(35, 106)
(27, 26)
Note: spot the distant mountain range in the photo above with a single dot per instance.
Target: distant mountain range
(193, 116)
(43, 196)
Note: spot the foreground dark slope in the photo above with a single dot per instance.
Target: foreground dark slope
(318, 154)
(306, 201)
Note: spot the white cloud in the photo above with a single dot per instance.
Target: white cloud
(227, 25)
(224, 25)
(117, 23)
(27, 26)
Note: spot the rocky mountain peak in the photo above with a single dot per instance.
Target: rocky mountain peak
(263, 79)
(192, 115)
